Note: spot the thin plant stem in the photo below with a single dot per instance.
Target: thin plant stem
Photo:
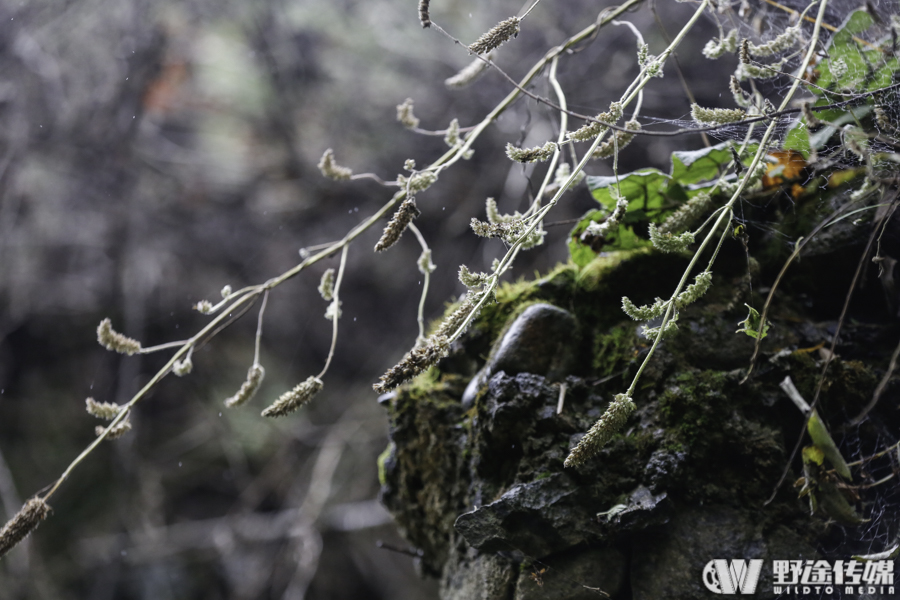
(259, 328)
(337, 309)
(426, 274)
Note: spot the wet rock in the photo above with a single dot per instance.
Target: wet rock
(578, 575)
(669, 562)
(538, 518)
(478, 577)
(541, 340)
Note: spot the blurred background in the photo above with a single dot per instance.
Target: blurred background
(152, 152)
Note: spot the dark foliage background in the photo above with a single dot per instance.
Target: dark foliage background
(152, 152)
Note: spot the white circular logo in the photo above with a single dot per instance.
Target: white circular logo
(711, 578)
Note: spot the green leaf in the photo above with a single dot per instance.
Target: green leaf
(646, 192)
(751, 325)
(798, 138)
(700, 165)
(845, 49)
(822, 439)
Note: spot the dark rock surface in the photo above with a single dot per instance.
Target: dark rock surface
(476, 479)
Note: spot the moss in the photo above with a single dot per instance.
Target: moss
(614, 349)
(382, 459)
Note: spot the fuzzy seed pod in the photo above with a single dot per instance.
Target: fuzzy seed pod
(670, 242)
(424, 17)
(716, 116)
(226, 291)
(470, 279)
(398, 224)
(116, 432)
(498, 34)
(416, 361)
(611, 423)
(331, 169)
(739, 96)
(334, 310)
(467, 75)
(644, 313)
(671, 326)
(694, 291)
(748, 71)
(744, 54)
(784, 41)
(418, 182)
(455, 319)
(687, 214)
(596, 232)
(102, 410)
(255, 376)
(290, 401)
(326, 285)
(24, 522)
(527, 155)
(715, 48)
(113, 340)
(452, 138)
(405, 114)
(593, 129)
(621, 139)
(489, 230)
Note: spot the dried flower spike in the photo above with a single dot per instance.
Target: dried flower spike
(405, 114)
(527, 155)
(326, 285)
(416, 361)
(290, 401)
(467, 75)
(498, 34)
(102, 410)
(418, 182)
(644, 313)
(472, 280)
(113, 340)
(459, 315)
(116, 432)
(248, 389)
(611, 423)
(716, 116)
(424, 17)
(398, 224)
(26, 520)
(331, 169)
(694, 291)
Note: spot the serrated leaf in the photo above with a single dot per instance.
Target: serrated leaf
(751, 325)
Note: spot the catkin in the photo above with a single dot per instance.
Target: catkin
(113, 340)
(611, 423)
(498, 34)
(398, 224)
(291, 400)
(255, 376)
(24, 522)
(416, 361)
